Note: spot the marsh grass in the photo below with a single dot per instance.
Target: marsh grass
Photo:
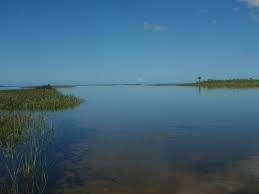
(24, 152)
(12, 128)
(25, 138)
(231, 83)
(42, 98)
(50, 86)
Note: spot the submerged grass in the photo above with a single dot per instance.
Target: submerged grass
(40, 98)
(25, 138)
(25, 135)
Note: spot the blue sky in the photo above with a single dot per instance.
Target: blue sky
(96, 41)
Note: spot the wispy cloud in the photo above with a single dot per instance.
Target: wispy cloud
(204, 11)
(253, 3)
(254, 8)
(155, 27)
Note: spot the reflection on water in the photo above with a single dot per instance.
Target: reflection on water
(157, 140)
(161, 140)
(134, 170)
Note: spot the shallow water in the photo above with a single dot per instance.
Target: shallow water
(157, 140)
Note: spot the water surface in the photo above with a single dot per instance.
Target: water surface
(157, 140)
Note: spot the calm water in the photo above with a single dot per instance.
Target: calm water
(157, 140)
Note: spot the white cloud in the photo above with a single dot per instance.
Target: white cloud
(254, 8)
(155, 27)
(253, 3)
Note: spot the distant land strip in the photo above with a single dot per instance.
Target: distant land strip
(210, 83)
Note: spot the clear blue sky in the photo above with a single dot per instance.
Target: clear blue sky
(96, 41)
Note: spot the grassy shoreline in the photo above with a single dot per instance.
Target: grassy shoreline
(229, 83)
(38, 98)
(26, 134)
(50, 87)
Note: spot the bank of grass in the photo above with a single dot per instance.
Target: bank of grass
(38, 98)
(50, 87)
(230, 83)
(25, 135)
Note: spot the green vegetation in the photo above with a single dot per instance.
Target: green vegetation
(50, 86)
(232, 83)
(12, 128)
(24, 141)
(25, 135)
(38, 98)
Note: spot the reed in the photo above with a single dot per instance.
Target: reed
(42, 98)
(229, 83)
(23, 152)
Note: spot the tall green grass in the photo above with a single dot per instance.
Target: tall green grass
(50, 86)
(24, 141)
(36, 99)
(230, 83)
(25, 135)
